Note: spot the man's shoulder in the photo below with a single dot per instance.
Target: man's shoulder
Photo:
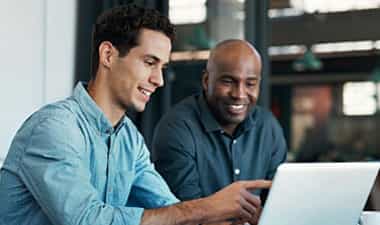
(61, 110)
(185, 109)
(263, 116)
(52, 122)
(61, 113)
(181, 118)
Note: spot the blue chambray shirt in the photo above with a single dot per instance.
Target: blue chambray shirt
(67, 165)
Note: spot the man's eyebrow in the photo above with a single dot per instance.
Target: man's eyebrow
(226, 76)
(157, 59)
(253, 76)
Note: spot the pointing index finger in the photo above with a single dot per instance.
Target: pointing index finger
(257, 184)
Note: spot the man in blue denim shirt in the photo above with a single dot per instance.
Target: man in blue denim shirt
(82, 161)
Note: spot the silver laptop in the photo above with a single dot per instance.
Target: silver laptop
(319, 193)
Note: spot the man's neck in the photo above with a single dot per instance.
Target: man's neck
(101, 95)
(229, 129)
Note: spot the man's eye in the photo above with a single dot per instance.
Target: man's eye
(251, 84)
(226, 81)
(149, 63)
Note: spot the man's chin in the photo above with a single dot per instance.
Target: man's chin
(236, 119)
(140, 108)
(136, 108)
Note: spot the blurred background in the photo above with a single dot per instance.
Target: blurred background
(321, 65)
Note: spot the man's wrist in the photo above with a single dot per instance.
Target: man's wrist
(183, 213)
(194, 211)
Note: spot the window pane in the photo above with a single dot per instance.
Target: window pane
(359, 98)
(187, 11)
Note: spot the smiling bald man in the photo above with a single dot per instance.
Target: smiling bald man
(220, 136)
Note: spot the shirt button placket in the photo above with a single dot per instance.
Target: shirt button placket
(235, 156)
(110, 162)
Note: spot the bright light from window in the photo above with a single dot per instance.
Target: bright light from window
(334, 5)
(359, 98)
(287, 49)
(344, 46)
(377, 44)
(286, 12)
(187, 11)
(378, 95)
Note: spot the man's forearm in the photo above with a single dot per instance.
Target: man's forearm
(184, 213)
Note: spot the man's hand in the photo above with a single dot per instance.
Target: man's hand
(240, 221)
(253, 221)
(236, 202)
(256, 218)
(233, 204)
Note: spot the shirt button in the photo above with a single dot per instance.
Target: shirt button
(234, 141)
(237, 171)
(222, 131)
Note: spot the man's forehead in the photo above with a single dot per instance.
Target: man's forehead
(245, 74)
(234, 47)
(154, 44)
(232, 53)
(237, 64)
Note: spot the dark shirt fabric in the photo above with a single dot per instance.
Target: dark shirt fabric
(197, 158)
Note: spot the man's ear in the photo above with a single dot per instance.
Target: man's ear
(205, 78)
(106, 52)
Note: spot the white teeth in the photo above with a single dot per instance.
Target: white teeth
(236, 107)
(147, 93)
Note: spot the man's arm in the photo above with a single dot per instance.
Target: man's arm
(149, 190)
(233, 202)
(189, 212)
(53, 170)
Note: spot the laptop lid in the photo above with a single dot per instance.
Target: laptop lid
(319, 193)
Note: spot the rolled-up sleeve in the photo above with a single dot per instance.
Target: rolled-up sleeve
(53, 170)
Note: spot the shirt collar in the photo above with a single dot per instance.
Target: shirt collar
(211, 124)
(91, 110)
(208, 120)
(249, 122)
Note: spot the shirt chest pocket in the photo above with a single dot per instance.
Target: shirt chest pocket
(121, 189)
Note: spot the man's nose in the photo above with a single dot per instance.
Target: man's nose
(157, 78)
(239, 91)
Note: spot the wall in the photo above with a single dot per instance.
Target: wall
(36, 60)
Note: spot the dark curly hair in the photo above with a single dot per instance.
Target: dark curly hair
(122, 25)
